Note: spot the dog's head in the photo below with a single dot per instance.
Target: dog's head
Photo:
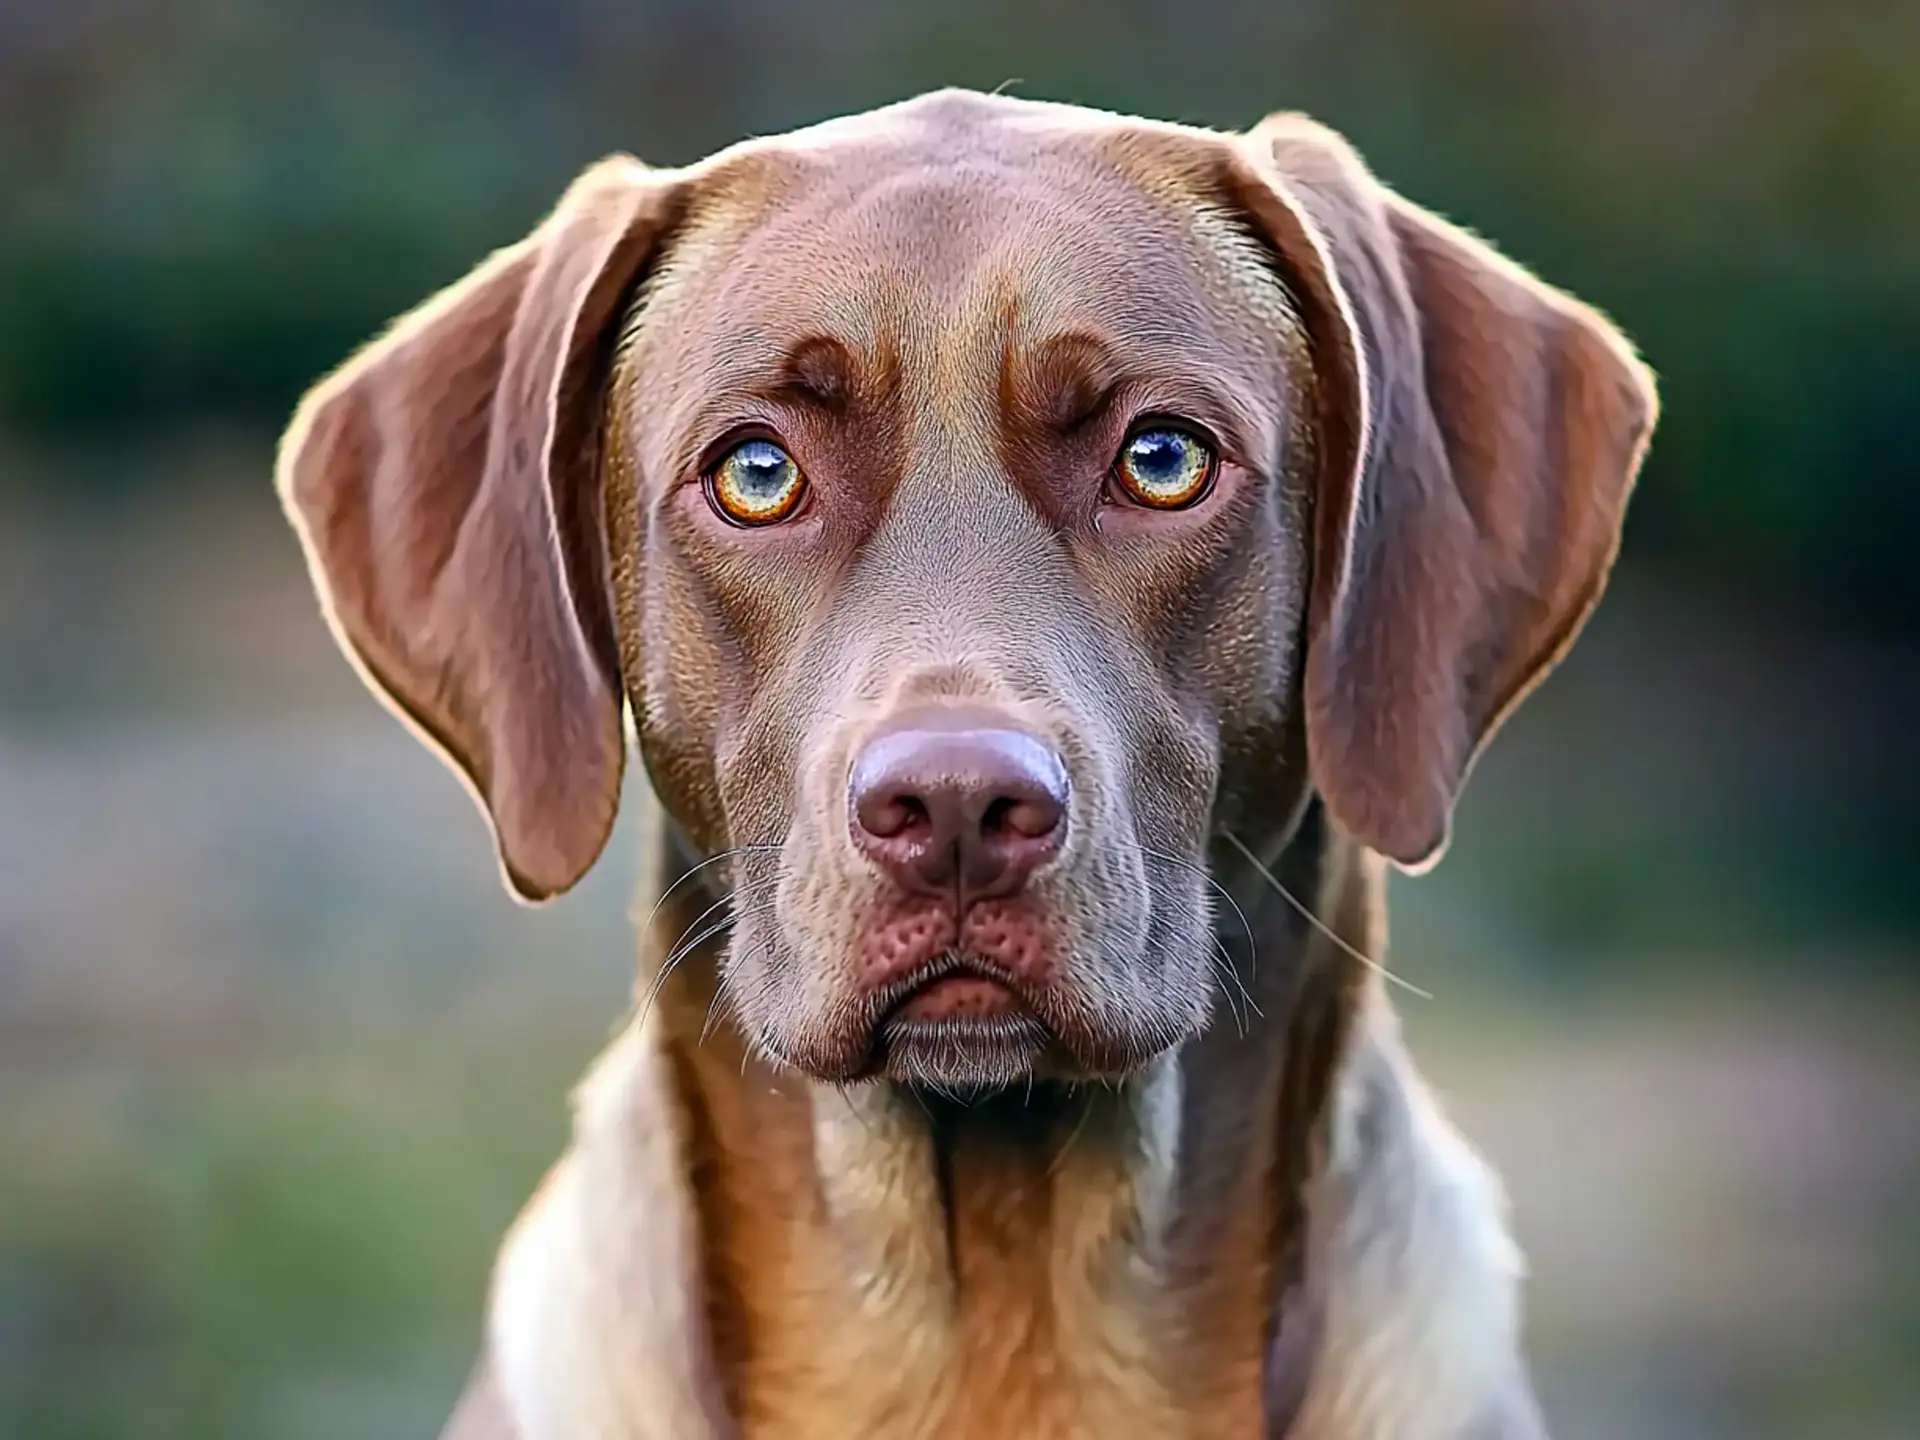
(977, 503)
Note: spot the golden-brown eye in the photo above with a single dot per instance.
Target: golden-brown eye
(1164, 467)
(755, 483)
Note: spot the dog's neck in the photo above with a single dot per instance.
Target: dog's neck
(1064, 1258)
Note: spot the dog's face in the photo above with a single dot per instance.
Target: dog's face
(957, 465)
(979, 503)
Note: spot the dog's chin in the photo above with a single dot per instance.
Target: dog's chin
(987, 1049)
(964, 1054)
(964, 1025)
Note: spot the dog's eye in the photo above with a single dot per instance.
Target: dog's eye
(1164, 467)
(755, 483)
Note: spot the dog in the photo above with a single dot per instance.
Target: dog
(1051, 565)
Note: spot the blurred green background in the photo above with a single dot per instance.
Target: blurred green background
(278, 1060)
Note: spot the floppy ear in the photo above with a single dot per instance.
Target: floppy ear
(1479, 433)
(443, 484)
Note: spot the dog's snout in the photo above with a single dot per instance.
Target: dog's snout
(958, 802)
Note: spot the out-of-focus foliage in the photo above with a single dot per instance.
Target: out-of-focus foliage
(210, 202)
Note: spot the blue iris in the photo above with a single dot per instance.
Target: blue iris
(761, 471)
(1164, 457)
(1165, 467)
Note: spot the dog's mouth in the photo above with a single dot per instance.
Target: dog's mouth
(959, 1024)
(960, 995)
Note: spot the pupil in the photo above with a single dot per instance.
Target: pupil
(1158, 453)
(765, 469)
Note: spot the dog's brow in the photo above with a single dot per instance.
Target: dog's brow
(750, 368)
(819, 371)
(1072, 376)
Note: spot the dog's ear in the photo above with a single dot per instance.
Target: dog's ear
(443, 484)
(1478, 436)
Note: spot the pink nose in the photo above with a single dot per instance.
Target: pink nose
(956, 802)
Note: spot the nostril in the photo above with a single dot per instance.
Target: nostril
(1021, 818)
(887, 816)
(998, 818)
(945, 801)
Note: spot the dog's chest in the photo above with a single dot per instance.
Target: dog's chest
(1005, 1300)
(989, 1371)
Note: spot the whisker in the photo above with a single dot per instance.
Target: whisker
(846, 1098)
(687, 944)
(937, 1088)
(1253, 944)
(720, 992)
(1220, 962)
(918, 1099)
(1320, 925)
(674, 951)
(725, 988)
(1221, 959)
(686, 875)
(660, 980)
(684, 944)
(1223, 964)
(1060, 1156)
(1208, 876)
(1226, 961)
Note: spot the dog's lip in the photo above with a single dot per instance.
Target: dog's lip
(952, 997)
(971, 983)
(956, 1000)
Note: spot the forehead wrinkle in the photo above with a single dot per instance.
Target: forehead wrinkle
(1169, 284)
(951, 267)
(783, 362)
(1166, 346)
(716, 352)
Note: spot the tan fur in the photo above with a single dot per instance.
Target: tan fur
(1224, 1204)
(1062, 1322)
